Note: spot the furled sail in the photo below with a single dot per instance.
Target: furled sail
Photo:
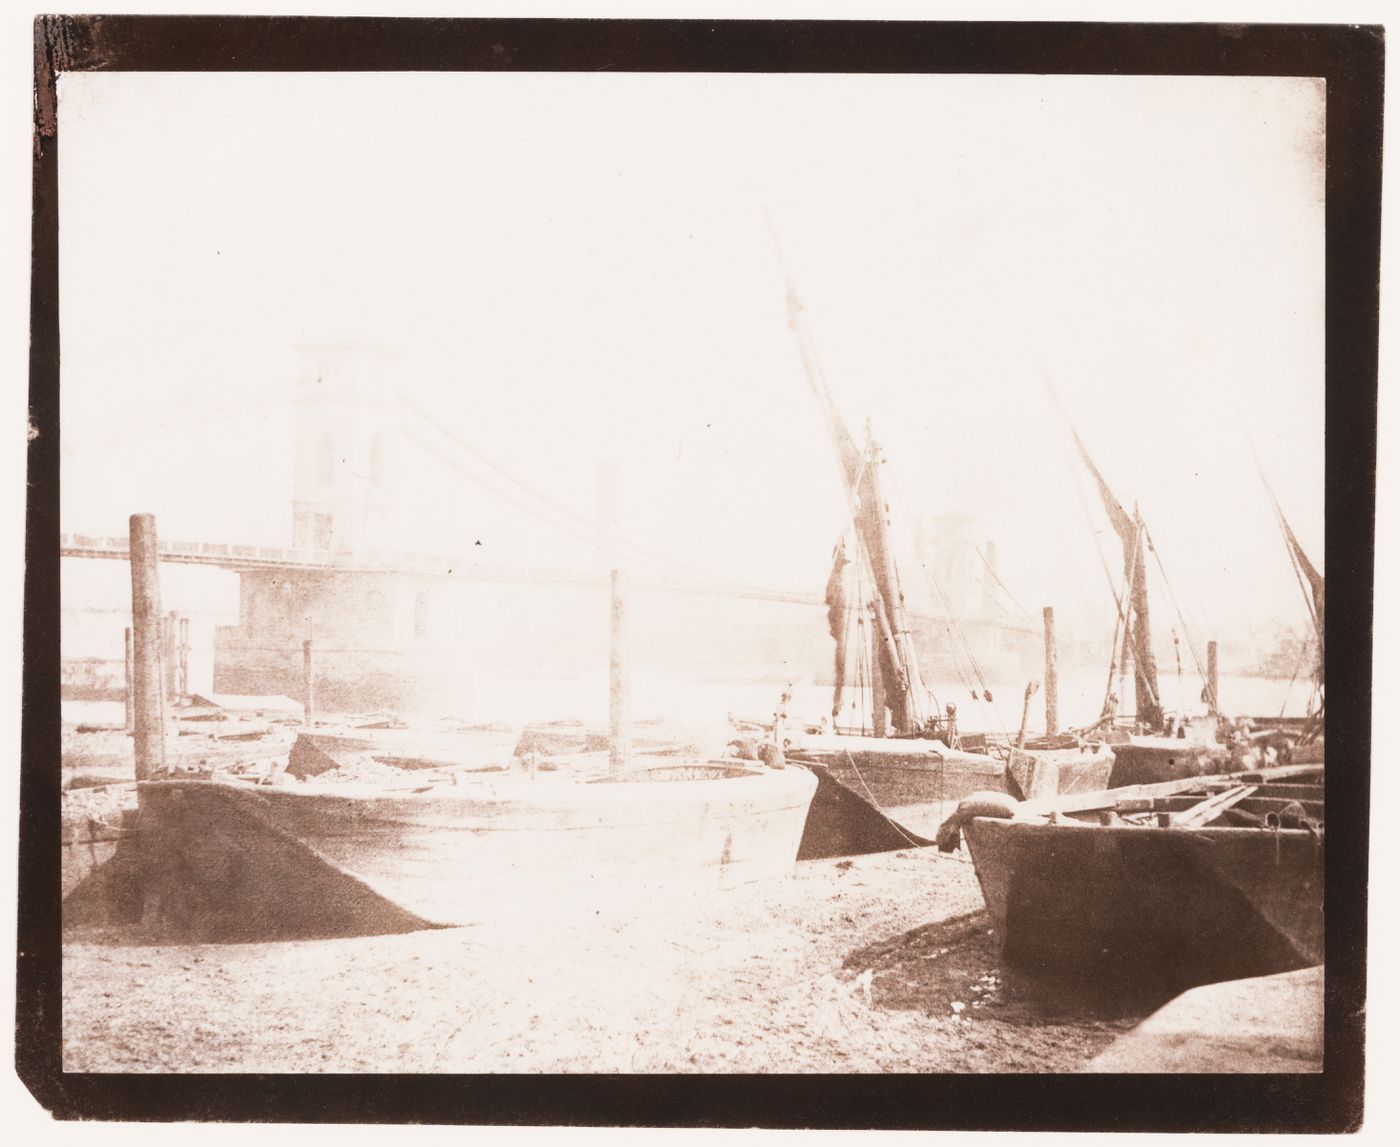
(836, 620)
(894, 664)
(1131, 533)
(1307, 572)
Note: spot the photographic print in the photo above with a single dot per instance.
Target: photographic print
(812, 567)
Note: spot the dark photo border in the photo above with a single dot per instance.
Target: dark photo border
(1351, 61)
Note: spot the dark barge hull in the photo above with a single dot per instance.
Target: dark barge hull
(1159, 909)
(894, 779)
(1154, 760)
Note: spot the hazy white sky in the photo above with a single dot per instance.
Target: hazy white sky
(576, 267)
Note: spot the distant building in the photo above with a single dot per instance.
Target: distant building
(949, 554)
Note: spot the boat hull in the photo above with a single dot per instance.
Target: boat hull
(1146, 760)
(1058, 772)
(320, 750)
(842, 822)
(1157, 908)
(898, 774)
(457, 854)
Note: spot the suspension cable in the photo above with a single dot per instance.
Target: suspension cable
(1181, 616)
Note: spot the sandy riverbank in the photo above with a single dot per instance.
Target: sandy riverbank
(880, 963)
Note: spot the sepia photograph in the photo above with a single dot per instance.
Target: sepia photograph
(663, 570)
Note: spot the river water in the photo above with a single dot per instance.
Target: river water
(516, 699)
(685, 700)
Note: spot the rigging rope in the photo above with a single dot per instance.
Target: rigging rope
(1284, 530)
(1074, 464)
(1181, 616)
(871, 796)
(1290, 543)
(1120, 627)
(997, 578)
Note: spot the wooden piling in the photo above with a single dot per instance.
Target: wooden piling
(1212, 680)
(619, 680)
(169, 658)
(148, 690)
(130, 683)
(308, 694)
(1031, 688)
(183, 677)
(1052, 691)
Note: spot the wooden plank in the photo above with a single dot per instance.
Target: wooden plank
(1209, 808)
(1110, 798)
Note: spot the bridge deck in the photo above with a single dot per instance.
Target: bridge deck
(230, 556)
(225, 555)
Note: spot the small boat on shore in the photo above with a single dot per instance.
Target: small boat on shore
(322, 748)
(913, 778)
(226, 857)
(1159, 886)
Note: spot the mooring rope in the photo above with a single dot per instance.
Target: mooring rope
(876, 804)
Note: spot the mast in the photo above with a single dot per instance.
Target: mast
(1132, 534)
(894, 662)
(890, 601)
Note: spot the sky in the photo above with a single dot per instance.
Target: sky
(572, 270)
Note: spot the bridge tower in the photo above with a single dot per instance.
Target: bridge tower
(947, 548)
(348, 451)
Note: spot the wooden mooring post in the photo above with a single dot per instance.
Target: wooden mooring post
(170, 655)
(183, 677)
(130, 685)
(148, 677)
(308, 668)
(619, 680)
(1052, 684)
(1031, 687)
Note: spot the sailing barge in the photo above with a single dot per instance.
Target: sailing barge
(908, 759)
(1153, 748)
(225, 852)
(1157, 887)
